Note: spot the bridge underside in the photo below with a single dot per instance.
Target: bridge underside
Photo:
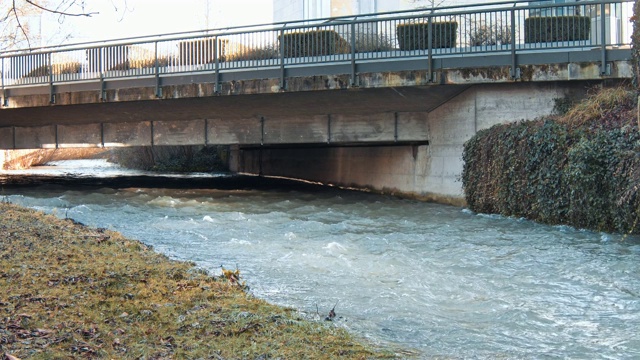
(326, 117)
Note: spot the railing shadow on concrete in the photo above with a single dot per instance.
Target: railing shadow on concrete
(498, 28)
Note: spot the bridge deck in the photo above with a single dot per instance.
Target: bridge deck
(403, 62)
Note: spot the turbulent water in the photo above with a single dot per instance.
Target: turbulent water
(439, 280)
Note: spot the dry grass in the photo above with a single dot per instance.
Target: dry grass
(597, 106)
(68, 291)
(263, 53)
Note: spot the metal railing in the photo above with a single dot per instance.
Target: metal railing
(498, 28)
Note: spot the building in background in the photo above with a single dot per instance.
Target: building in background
(291, 10)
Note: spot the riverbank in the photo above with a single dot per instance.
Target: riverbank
(70, 291)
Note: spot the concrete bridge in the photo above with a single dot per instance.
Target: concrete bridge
(382, 101)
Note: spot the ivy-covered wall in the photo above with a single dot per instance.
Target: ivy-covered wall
(581, 169)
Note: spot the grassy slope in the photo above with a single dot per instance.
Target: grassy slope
(68, 291)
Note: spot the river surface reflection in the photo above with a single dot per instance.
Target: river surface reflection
(438, 279)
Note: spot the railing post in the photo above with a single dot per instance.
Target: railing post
(514, 61)
(282, 69)
(603, 40)
(216, 62)
(103, 94)
(430, 47)
(157, 71)
(4, 91)
(354, 79)
(52, 96)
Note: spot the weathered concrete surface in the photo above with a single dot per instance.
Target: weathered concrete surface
(193, 96)
(234, 131)
(191, 132)
(127, 134)
(44, 137)
(363, 128)
(289, 104)
(430, 172)
(74, 136)
(6, 138)
(297, 130)
(315, 129)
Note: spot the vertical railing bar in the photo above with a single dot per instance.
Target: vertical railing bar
(52, 98)
(216, 65)
(4, 90)
(99, 54)
(353, 54)
(157, 70)
(513, 44)
(282, 70)
(603, 39)
(430, 46)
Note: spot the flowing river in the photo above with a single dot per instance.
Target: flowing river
(438, 280)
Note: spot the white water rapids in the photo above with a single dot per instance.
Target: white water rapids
(440, 280)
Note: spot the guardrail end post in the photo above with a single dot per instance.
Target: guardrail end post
(103, 92)
(515, 73)
(355, 81)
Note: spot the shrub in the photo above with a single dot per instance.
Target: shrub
(414, 36)
(150, 63)
(56, 69)
(372, 42)
(487, 35)
(556, 28)
(313, 43)
(557, 171)
(262, 53)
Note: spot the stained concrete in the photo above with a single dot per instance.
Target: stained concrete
(127, 134)
(430, 172)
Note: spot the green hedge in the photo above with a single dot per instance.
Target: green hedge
(313, 43)
(415, 36)
(556, 28)
(556, 173)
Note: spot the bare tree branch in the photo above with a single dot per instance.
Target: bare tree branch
(24, 32)
(16, 14)
(56, 11)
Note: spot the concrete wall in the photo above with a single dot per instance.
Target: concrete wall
(430, 172)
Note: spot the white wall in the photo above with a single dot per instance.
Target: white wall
(291, 10)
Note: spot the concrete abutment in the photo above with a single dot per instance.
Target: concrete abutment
(430, 170)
